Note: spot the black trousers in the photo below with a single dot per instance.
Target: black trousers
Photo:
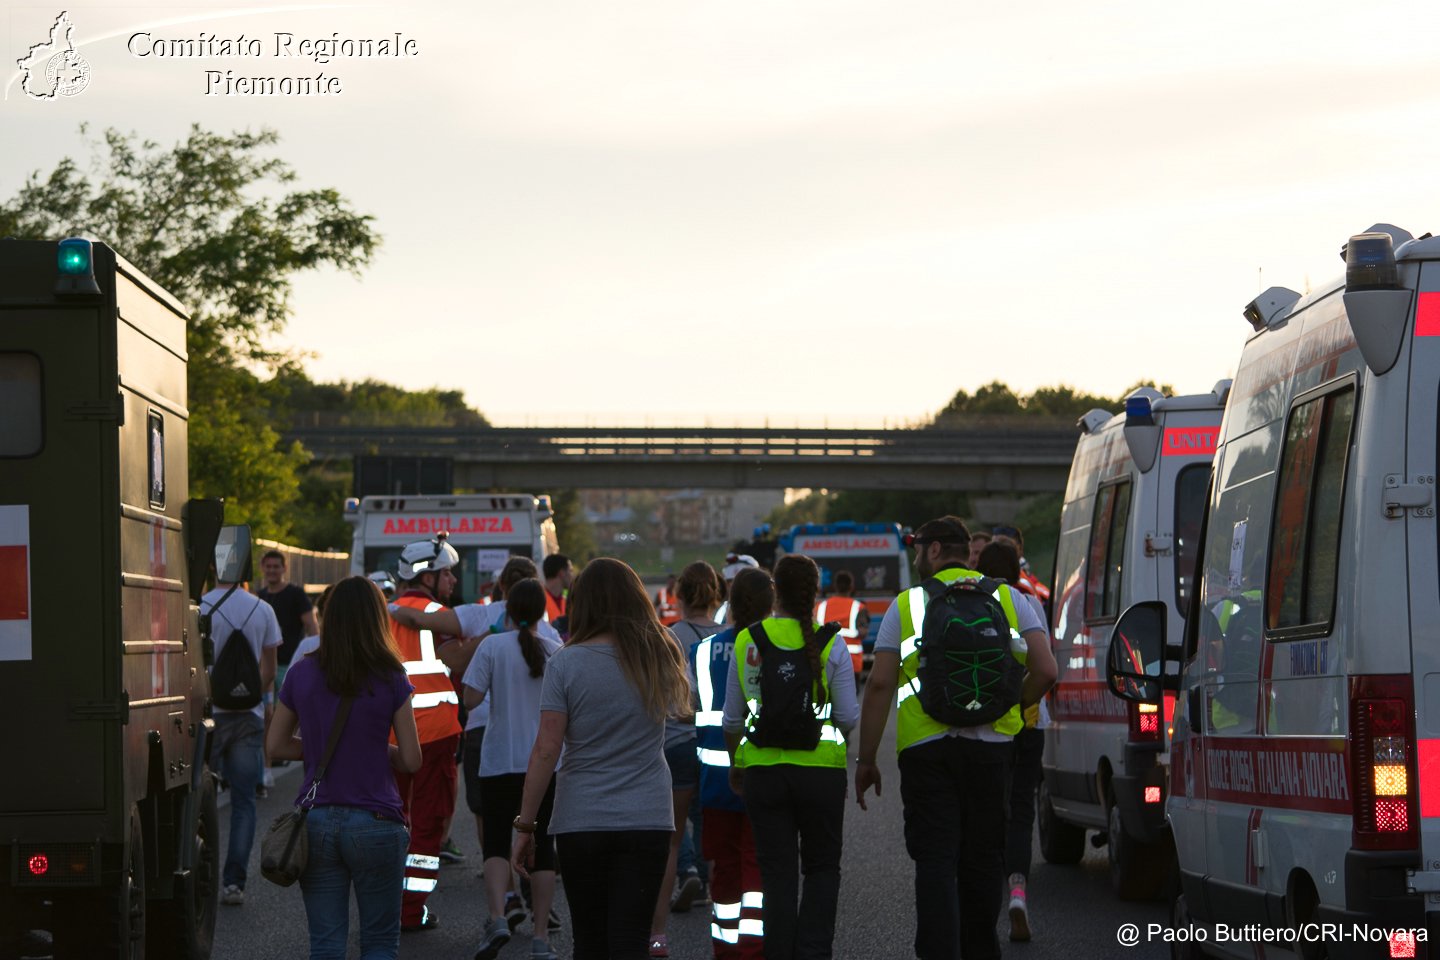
(798, 817)
(954, 791)
(1024, 787)
(612, 880)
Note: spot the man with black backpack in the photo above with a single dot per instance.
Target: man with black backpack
(247, 636)
(961, 656)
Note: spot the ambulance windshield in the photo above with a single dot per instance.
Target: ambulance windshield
(479, 566)
(873, 574)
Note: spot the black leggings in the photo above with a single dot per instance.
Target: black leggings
(612, 880)
(500, 804)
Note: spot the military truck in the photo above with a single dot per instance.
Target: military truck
(109, 837)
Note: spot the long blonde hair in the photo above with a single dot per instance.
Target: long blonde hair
(607, 598)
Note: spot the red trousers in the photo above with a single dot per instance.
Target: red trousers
(429, 798)
(737, 928)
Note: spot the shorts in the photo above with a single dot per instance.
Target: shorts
(502, 804)
(684, 763)
(470, 761)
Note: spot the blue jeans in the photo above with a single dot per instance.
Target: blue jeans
(236, 753)
(350, 846)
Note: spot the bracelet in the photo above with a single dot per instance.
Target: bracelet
(524, 826)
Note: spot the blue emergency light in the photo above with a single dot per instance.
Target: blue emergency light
(1138, 412)
(1370, 263)
(75, 267)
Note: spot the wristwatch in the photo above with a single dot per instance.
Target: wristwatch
(524, 826)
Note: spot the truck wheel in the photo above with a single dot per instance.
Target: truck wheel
(184, 927)
(1137, 870)
(1180, 920)
(80, 926)
(1060, 842)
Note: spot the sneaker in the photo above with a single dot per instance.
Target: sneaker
(514, 911)
(497, 934)
(428, 921)
(659, 946)
(553, 924)
(261, 791)
(449, 853)
(267, 779)
(687, 893)
(1019, 912)
(702, 899)
(232, 896)
(540, 950)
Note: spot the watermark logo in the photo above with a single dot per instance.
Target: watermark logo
(54, 68)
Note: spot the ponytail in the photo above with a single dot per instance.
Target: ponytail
(525, 605)
(797, 586)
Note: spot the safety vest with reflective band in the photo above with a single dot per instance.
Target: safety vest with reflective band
(666, 607)
(846, 612)
(554, 606)
(914, 723)
(785, 634)
(710, 660)
(437, 708)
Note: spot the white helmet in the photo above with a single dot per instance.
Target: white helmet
(384, 581)
(735, 562)
(426, 556)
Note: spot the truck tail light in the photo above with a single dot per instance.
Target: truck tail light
(1382, 745)
(1144, 723)
(57, 864)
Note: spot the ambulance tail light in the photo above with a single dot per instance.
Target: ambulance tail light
(1382, 745)
(1145, 723)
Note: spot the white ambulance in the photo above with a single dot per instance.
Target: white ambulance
(486, 530)
(1305, 761)
(1128, 532)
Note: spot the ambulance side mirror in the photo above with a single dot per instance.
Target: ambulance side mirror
(232, 554)
(203, 520)
(1135, 664)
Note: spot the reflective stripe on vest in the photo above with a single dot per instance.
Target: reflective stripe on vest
(830, 752)
(849, 620)
(436, 704)
(913, 723)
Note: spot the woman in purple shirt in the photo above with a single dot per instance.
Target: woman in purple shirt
(356, 827)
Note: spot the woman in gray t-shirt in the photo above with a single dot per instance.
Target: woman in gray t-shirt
(606, 695)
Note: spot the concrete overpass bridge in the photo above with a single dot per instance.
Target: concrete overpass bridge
(986, 456)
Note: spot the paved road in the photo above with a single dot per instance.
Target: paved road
(1073, 912)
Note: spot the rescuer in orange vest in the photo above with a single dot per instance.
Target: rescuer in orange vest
(427, 573)
(854, 619)
(667, 605)
(559, 572)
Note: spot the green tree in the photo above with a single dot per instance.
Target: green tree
(214, 220)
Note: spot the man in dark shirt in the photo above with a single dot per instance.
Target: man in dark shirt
(292, 608)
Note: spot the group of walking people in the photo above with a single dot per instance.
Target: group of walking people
(592, 748)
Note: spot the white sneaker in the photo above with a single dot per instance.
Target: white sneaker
(267, 779)
(232, 896)
(1019, 910)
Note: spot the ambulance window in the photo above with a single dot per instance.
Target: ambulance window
(1190, 488)
(21, 422)
(156, 432)
(1107, 552)
(1305, 538)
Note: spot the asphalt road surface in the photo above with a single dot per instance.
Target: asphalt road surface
(1073, 913)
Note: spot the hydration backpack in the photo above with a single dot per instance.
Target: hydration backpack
(968, 676)
(787, 701)
(235, 678)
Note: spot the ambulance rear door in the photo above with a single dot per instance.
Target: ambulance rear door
(1415, 496)
(59, 569)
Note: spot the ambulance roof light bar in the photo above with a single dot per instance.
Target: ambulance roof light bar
(1376, 302)
(1142, 433)
(75, 268)
(1093, 421)
(1265, 309)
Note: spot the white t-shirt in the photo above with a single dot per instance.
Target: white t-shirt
(499, 671)
(250, 615)
(478, 620)
(306, 647)
(1027, 616)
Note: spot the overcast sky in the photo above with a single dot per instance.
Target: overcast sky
(671, 211)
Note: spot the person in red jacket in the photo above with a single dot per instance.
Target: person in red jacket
(427, 572)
